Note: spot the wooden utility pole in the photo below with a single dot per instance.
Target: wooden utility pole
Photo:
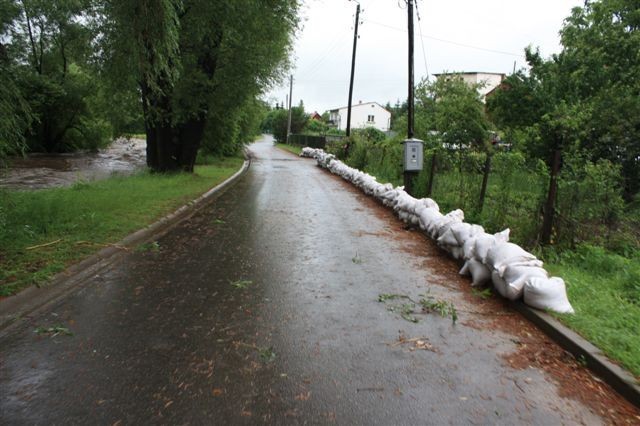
(413, 150)
(353, 67)
(290, 103)
(410, 97)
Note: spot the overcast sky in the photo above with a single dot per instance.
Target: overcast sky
(455, 35)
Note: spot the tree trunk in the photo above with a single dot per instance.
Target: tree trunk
(485, 181)
(190, 137)
(432, 173)
(549, 208)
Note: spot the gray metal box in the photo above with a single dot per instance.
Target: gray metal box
(412, 155)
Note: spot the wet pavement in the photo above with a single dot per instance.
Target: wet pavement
(263, 308)
(40, 171)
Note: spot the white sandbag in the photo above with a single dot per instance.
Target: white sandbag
(441, 226)
(456, 252)
(463, 231)
(511, 285)
(499, 283)
(429, 217)
(464, 271)
(447, 239)
(484, 242)
(547, 293)
(502, 254)
(516, 276)
(480, 274)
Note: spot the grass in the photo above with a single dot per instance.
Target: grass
(43, 232)
(291, 148)
(604, 289)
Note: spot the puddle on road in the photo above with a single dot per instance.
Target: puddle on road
(39, 171)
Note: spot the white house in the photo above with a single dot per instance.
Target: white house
(489, 80)
(367, 114)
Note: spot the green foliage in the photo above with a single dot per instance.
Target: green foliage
(279, 119)
(590, 203)
(454, 109)
(53, 103)
(586, 98)
(15, 114)
(604, 291)
(316, 127)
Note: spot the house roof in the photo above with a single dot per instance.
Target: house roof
(359, 104)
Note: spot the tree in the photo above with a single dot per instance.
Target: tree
(299, 120)
(49, 54)
(200, 65)
(583, 102)
(452, 108)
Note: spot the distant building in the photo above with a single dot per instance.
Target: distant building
(490, 80)
(363, 115)
(315, 116)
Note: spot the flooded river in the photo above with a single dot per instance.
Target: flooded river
(38, 171)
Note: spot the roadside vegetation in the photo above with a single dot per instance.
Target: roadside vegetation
(291, 148)
(553, 155)
(42, 232)
(187, 74)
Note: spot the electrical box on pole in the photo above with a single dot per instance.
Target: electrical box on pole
(413, 155)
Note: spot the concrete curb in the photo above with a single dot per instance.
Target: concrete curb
(615, 376)
(33, 298)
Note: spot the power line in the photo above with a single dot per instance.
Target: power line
(500, 52)
(424, 54)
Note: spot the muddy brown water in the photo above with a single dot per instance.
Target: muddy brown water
(40, 171)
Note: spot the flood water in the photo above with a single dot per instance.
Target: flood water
(39, 171)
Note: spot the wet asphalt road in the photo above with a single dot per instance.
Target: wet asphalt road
(263, 308)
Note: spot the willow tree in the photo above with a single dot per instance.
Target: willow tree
(198, 65)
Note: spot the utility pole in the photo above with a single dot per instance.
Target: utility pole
(410, 97)
(413, 150)
(353, 66)
(290, 103)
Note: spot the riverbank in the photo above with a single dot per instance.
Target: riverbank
(43, 232)
(123, 157)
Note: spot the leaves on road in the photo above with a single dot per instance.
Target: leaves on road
(427, 304)
(54, 331)
(241, 284)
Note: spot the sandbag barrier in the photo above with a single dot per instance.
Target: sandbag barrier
(489, 258)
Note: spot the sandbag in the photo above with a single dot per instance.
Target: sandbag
(502, 254)
(484, 242)
(441, 226)
(511, 285)
(456, 252)
(428, 217)
(480, 274)
(447, 239)
(547, 293)
(463, 231)
(516, 276)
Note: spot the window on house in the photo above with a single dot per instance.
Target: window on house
(370, 119)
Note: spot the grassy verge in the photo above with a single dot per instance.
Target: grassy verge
(291, 148)
(42, 232)
(604, 289)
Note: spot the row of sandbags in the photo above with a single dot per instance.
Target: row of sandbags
(489, 258)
